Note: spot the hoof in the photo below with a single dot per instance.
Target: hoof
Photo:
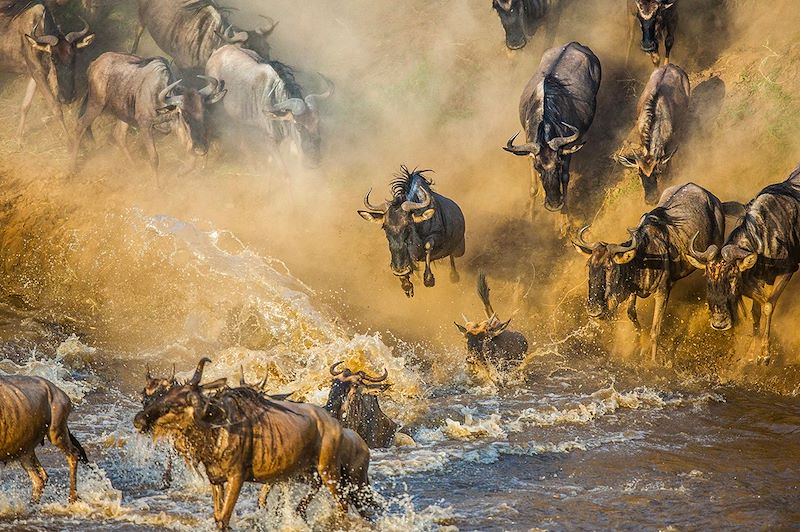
(429, 280)
(408, 287)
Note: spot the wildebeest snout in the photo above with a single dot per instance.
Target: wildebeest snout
(141, 422)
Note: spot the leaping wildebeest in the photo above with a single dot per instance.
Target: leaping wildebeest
(239, 435)
(142, 93)
(190, 30)
(31, 44)
(32, 408)
(757, 261)
(556, 110)
(520, 18)
(353, 402)
(658, 20)
(663, 110)
(420, 224)
(489, 341)
(654, 258)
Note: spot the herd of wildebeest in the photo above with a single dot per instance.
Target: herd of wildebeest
(239, 433)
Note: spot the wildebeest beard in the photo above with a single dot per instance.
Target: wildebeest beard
(723, 289)
(405, 244)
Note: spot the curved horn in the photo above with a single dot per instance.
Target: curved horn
(559, 142)
(329, 90)
(211, 88)
(364, 376)
(172, 377)
(732, 252)
(147, 374)
(164, 94)
(709, 254)
(234, 37)
(265, 32)
(336, 365)
(618, 248)
(74, 36)
(583, 243)
(198, 372)
(378, 208)
(296, 106)
(409, 205)
(48, 40)
(241, 378)
(522, 150)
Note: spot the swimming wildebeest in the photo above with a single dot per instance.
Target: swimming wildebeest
(658, 20)
(489, 341)
(654, 258)
(520, 18)
(240, 436)
(556, 110)
(31, 44)
(141, 93)
(757, 261)
(663, 109)
(352, 401)
(190, 30)
(420, 224)
(264, 98)
(30, 409)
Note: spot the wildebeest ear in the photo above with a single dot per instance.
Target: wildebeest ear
(573, 149)
(748, 262)
(46, 48)
(427, 215)
(370, 216)
(624, 258)
(627, 161)
(461, 328)
(694, 262)
(86, 41)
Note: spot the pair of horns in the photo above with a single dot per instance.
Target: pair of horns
(407, 206)
(581, 242)
(361, 374)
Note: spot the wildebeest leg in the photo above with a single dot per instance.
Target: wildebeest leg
(138, 37)
(93, 109)
(314, 486)
(534, 191)
(152, 153)
(767, 309)
(232, 489)
(632, 314)
(661, 298)
(60, 437)
(52, 102)
(263, 494)
(428, 277)
(217, 495)
(30, 91)
(669, 40)
(756, 311)
(166, 478)
(454, 277)
(564, 188)
(37, 474)
(655, 57)
(121, 138)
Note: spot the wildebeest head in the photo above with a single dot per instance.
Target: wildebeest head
(610, 272)
(346, 384)
(185, 108)
(723, 270)
(303, 113)
(548, 161)
(183, 405)
(512, 17)
(479, 335)
(60, 53)
(648, 13)
(399, 218)
(156, 387)
(256, 40)
(651, 166)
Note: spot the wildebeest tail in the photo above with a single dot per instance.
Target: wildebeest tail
(483, 292)
(733, 208)
(81, 453)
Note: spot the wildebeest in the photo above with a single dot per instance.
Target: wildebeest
(352, 401)
(654, 258)
(31, 44)
(155, 388)
(420, 224)
(663, 109)
(489, 341)
(757, 261)
(30, 409)
(240, 436)
(520, 19)
(658, 20)
(556, 110)
(190, 30)
(141, 93)
(264, 98)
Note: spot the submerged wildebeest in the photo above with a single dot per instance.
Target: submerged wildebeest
(489, 341)
(352, 401)
(658, 20)
(420, 224)
(240, 436)
(141, 93)
(757, 261)
(31, 44)
(654, 258)
(30, 409)
(520, 18)
(663, 110)
(190, 30)
(556, 110)
(265, 99)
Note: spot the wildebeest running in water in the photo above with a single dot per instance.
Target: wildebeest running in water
(420, 224)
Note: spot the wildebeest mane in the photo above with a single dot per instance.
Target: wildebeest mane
(245, 394)
(404, 181)
(558, 107)
(287, 75)
(649, 118)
